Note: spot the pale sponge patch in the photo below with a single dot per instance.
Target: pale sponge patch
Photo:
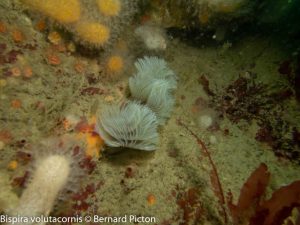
(49, 178)
(64, 11)
(94, 33)
(54, 174)
(109, 7)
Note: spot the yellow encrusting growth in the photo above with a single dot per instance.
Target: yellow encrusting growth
(109, 7)
(151, 199)
(115, 64)
(204, 15)
(94, 33)
(94, 145)
(12, 165)
(64, 11)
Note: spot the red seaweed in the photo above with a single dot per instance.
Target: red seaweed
(2, 48)
(252, 209)
(20, 181)
(297, 80)
(214, 176)
(81, 197)
(24, 157)
(6, 136)
(30, 46)
(88, 164)
(190, 205)
(129, 172)
(84, 126)
(264, 134)
(205, 84)
(282, 95)
(250, 194)
(285, 68)
(12, 56)
(92, 91)
(296, 136)
(275, 210)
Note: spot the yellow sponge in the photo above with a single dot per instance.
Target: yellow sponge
(64, 11)
(109, 7)
(93, 33)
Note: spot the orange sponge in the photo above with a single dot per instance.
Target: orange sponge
(93, 33)
(64, 11)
